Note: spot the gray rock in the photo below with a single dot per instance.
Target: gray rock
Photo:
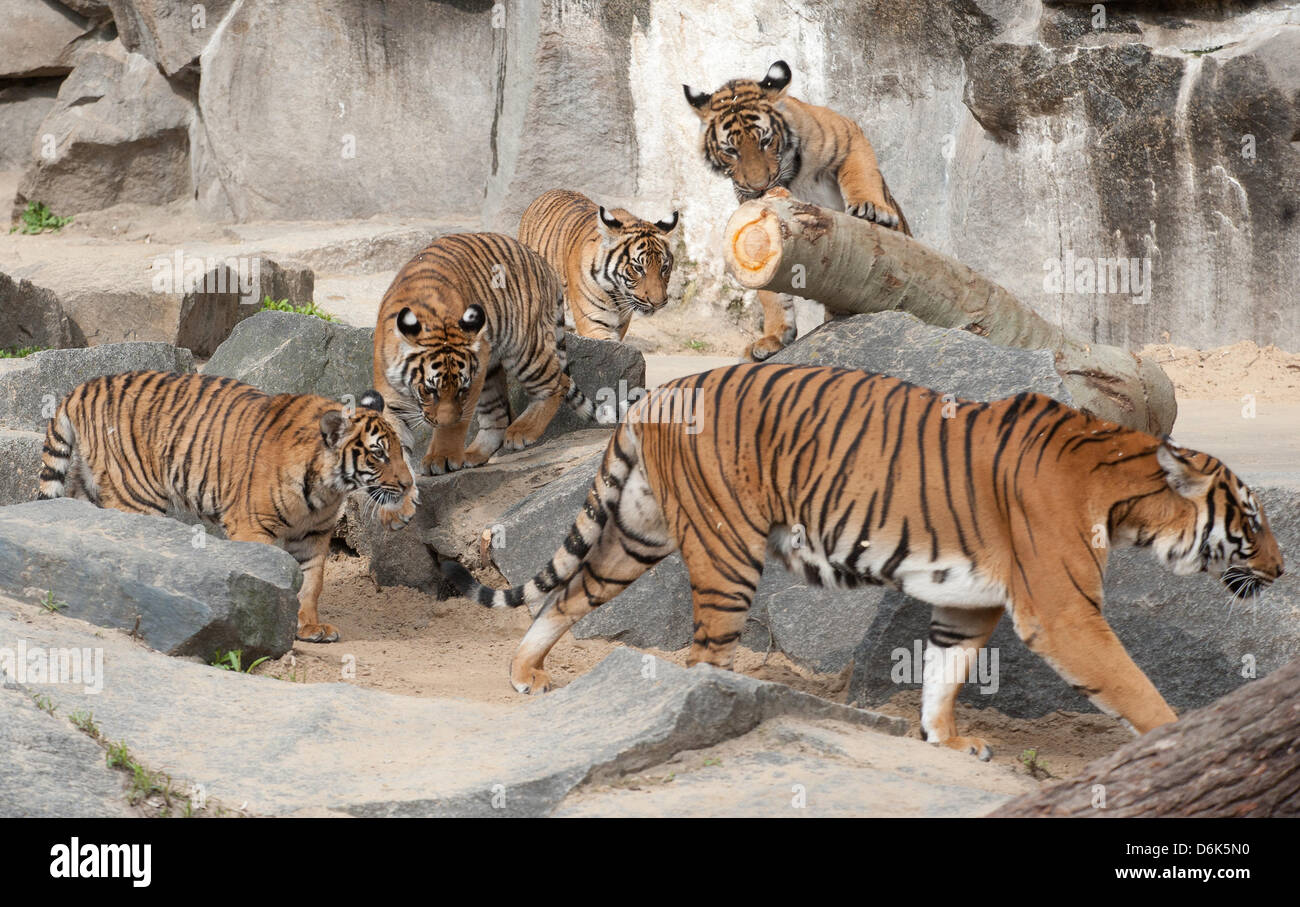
(1179, 630)
(31, 388)
(169, 34)
(122, 135)
(286, 353)
(188, 297)
(343, 750)
(948, 360)
(33, 316)
(456, 508)
(23, 105)
(20, 452)
(207, 318)
(189, 593)
(51, 769)
(35, 38)
(604, 370)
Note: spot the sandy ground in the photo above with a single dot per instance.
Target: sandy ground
(1230, 372)
(402, 641)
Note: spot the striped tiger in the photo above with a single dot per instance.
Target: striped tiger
(853, 478)
(468, 310)
(271, 469)
(762, 138)
(612, 264)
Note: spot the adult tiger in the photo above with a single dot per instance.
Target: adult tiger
(468, 310)
(761, 138)
(854, 478)
(272, 469)
(611, 263)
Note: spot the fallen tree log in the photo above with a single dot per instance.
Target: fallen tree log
(852, 266)
(1239, 756)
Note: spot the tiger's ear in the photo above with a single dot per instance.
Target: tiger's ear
(408, 325)
(1181, 475)
(333, 426)
(667, 226)
(607, 223)
(474, 320)
(699, 101)
(777, 78)
(372, 399)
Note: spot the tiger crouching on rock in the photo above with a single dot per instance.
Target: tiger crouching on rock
(853, 478)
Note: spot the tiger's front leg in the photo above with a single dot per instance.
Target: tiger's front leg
(865, 194)
(447, 446)
(310, 552)
(779, 328)
(956, 637)
(493, 417)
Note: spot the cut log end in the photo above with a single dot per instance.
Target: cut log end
(753, 247)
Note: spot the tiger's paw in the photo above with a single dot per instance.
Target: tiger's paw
(518, 440)
(763, 348)
(318, 633)
(477, 456)
(971, 746)
(531, 680)
(437, 466)
(873, 213)
(399, 517)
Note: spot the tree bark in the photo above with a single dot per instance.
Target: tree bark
(1239, 756)
(852, 266)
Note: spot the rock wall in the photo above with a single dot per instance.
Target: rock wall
(1041, 142)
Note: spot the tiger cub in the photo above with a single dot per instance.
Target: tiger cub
(611, 263)
(852, 478)
(271, 469)
(468, 310)
(761, 138)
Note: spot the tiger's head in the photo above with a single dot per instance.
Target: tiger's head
(439, 360)
(745, 136)
(368, 456)
(634, 263)
(1227, 531)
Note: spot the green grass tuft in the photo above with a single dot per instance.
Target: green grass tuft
(37, 218)
(284, 305)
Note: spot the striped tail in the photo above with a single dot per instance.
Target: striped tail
(564, 565)
(60, 440)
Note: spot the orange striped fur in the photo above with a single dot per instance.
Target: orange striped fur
(851, 478)
(612, 264)
(762, 138)
(466, 312)
(271, 469)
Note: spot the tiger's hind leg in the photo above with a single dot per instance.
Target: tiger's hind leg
(722, 590)
(956, 637)
(634, 539)
(779, 328)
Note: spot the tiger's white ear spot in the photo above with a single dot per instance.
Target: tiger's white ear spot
(408, 323)
(1181, 475)
(777, 78)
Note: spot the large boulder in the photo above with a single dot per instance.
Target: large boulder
(172, 35)
(948, 360)
(189, 297)
(24, 104)
(31, 388)
(36, 37)
(120, 133)
(183, 591)
(33, 316)
(20, 451)
(287, 353)
(53, 770)
(455, 509)
(606, 371)
(1183, 631)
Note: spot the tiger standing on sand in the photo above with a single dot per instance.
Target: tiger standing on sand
(762, 138)
(612, 263)
(271, 469)
(852, 478)
(463, 314)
